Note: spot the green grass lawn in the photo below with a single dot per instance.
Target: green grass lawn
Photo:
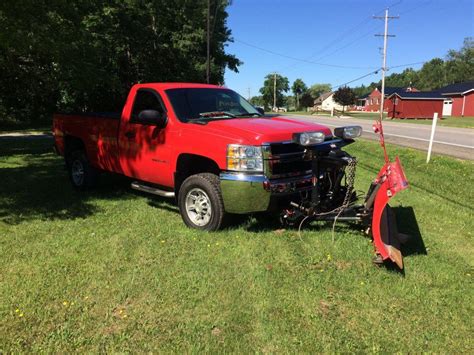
(461, 122)
(112, 270)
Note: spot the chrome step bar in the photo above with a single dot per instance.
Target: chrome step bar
(151, 190)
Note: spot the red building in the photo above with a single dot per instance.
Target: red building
(372, 102)
(415, 104)
(462, 99)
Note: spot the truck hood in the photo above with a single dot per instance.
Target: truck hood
(265, 129)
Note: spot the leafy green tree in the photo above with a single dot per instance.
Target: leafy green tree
(460, 64)
(306, 100)
(298, 88)
(344, 96)
(257, 101)
(85, 55)
(432, 75)
(282, 85)
(316, 90)
(361, 91)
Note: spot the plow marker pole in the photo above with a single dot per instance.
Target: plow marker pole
(433, 128)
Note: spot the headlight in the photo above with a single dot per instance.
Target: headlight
(308, 138)
(244, 158)
(348, 132)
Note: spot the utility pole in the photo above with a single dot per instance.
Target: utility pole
(248, 93)
(208, 60)
(274, 90)
(384, 60)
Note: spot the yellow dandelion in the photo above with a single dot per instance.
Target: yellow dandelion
(209, 245)
(121, 311)
(20, 315)
(329, 257)
(72, 303)
(362, 283)
(65, 303)
(162, 241)
(17, 310)
(86, 298)
(125, 316)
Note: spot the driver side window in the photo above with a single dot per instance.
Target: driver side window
(146, 99)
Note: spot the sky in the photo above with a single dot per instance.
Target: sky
(341, 35)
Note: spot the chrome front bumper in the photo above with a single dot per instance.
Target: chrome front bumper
(245, 193)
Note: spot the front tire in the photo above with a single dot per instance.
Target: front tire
(200, 202)
(81, 173)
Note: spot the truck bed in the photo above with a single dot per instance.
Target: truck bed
(98, 131)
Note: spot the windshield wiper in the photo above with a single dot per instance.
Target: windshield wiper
(216, 114)
(248, 115)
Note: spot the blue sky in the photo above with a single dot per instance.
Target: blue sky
(340, 33)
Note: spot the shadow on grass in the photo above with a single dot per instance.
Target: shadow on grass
(409, 232)
(10, 146)
(35, 185)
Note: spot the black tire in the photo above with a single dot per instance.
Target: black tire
(206, 188)
(76, 161)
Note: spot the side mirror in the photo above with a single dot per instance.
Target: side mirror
(260, 110)
(153, 117)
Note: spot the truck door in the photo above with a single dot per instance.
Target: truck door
(143, 153)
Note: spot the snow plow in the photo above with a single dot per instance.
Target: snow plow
(333, 197)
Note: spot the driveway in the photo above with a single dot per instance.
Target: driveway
(455, 142)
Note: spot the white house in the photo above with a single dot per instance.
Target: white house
(326, 102)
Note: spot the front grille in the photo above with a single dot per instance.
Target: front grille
(287, 159)
(290, 168)
(285, 148)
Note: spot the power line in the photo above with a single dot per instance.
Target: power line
(299, 59)
(405, 65)
(343, 35)
(375, 72)
(356, 79)
(289, 67)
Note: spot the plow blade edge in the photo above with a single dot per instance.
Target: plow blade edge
(389, 181)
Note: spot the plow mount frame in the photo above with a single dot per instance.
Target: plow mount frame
(374, 215)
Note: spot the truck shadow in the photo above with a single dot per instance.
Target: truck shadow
(35, 186)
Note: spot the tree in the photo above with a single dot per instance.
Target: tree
(460, 64)
(344, 96)
(298, 88)
(317, 89)
(282, 85)
(257, 101)
(85, 55)
(432, 75)
(306, 100)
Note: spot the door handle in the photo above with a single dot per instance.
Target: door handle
(130, 134)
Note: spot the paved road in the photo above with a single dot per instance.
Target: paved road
(455, 142)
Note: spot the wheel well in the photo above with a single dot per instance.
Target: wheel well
(72, 144)
(191, 164)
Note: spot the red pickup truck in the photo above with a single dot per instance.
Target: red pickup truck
(208, 147)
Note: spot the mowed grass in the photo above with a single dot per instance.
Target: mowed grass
(114, 270)
(460, 122)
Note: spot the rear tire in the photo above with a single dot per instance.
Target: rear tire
(81, 173)
(200, 202)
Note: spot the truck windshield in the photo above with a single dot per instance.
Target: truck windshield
(204, 104)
